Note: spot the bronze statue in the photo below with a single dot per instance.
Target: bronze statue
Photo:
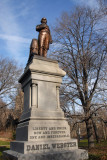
(44, 37)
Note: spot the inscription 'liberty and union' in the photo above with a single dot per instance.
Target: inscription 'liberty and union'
(49, 132)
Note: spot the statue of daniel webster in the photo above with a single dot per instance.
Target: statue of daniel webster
(44, 37)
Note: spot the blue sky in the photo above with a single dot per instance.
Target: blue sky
(18, 19)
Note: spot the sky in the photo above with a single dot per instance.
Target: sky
(18, 20)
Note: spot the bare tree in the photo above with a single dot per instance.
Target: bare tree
(9, 74)
(102, 119)
(81, 39)
(19, 101)
(3, 114)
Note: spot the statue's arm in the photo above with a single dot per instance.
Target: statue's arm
(41, 26)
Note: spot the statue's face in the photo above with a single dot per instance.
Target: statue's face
(43, 21)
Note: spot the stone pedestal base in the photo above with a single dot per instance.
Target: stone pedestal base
(43, 147)
(77, 154)
(43, 132)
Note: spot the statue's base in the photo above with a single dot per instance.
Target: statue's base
(77, 154)
(43, 133)
(28, 147)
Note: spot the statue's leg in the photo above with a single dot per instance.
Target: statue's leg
(44, 52)
(46, 45)
(40, 51)
(41, 43)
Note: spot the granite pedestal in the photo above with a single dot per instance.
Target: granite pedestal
(43, 131)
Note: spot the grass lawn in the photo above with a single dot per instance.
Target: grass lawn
(97, 153)
(83, 144)
(3, 148)
(4, 145)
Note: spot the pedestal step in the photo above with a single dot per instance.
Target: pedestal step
(76, 154)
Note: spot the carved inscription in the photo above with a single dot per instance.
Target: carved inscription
(50, 146)
(49, 132)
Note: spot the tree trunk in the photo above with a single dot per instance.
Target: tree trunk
(90, 136)
(77, 132)
(95, 131)
(104, 130)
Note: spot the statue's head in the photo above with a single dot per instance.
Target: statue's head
(44, 20)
